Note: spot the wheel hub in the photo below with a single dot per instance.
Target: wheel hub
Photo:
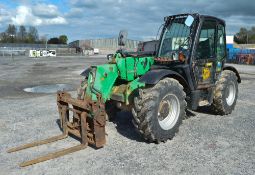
(164, 109)
(168, 112)
(231, 93)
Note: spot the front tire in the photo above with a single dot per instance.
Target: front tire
(158, 111)
(226, 93)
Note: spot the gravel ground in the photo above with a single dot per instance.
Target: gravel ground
(205, 144)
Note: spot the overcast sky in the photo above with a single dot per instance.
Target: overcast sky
(85, 19)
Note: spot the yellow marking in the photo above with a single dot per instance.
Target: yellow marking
(206, 73)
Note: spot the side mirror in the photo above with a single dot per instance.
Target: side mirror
(122, 39)
(109, 57)
(189, 20)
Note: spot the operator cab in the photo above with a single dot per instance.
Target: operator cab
(187, 34)
(193, 45)
(176, 38)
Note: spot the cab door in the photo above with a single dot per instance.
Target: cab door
(221, 52)
(205, 58)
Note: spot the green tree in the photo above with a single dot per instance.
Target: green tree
(11, 33)
(3, 37)
(63, 39)
(54, 40)
(22, 34)
(245, 36)
(32, 36)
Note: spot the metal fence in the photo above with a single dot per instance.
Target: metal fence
(105, 46)
(12, 51)
(22, 49)
(33, 46)
(5, 51)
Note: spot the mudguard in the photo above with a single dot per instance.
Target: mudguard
(154, 76)
(227, 67)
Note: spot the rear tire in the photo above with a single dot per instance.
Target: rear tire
(158, 111)
(226, 93)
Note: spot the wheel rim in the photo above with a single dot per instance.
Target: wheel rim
(231, 93)
(168, 112)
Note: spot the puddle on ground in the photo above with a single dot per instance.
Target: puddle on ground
(52, 88)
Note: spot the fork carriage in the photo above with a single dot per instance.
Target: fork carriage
(87, 123)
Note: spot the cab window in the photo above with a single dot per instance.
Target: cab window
(206, 43)
(221, 43)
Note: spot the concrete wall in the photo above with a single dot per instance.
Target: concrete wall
(106, 45)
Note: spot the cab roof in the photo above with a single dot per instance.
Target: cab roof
(196, 16)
